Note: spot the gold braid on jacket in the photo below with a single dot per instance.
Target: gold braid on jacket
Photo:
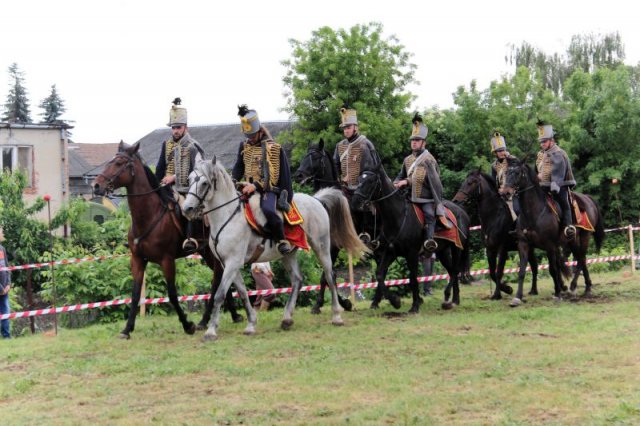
(252, 158)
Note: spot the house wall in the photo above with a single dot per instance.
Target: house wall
(49, 161)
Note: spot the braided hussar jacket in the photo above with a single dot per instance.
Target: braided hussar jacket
(424, 177)
(178, 158)
(499, 170)
(554, 168)
(251, 166)
(354, 156)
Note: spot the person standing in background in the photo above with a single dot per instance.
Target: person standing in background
(263, 276)
(5, 286)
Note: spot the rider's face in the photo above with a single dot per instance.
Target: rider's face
(178, 131)
(349, 130)
(417, 144)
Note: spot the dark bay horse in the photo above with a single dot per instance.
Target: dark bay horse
(402, 233)
(495, 219)
(317, 167)
(538, 226)
(155, 235)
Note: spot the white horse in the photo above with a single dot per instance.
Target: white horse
(326, 217)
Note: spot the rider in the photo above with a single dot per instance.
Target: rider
(262, 165)
(354, 154)
(421, 172)
(555, 175)
(499, 168)
(178, 156)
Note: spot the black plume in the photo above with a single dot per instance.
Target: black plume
(345, 106)
(417, 118)
(177, 101)
(243, 110)
(540, 122)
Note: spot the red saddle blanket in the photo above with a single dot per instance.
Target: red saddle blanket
(292, 226)
(582, 218)
(442, 232)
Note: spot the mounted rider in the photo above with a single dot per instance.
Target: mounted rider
(353, 155)
(555, 175)
(262, 166)
(178, 156)
(499, 168)
(421, 172)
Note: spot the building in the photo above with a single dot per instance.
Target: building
(40, 151)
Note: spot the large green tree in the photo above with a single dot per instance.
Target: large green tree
(53, 106)
(357, 67)
(17, 104)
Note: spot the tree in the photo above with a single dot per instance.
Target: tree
(17, 105)
(53, 106)
(356, 67)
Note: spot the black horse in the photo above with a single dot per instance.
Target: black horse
(317, 166)
(402, 233)
(497, 227)
(538, 226)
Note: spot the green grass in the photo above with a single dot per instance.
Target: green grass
(569, 362)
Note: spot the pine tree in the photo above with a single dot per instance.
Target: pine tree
(53, 106)
(17, 105)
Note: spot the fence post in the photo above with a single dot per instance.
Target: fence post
(353, 292)
(631, 248)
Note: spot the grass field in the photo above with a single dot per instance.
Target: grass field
(570, 362)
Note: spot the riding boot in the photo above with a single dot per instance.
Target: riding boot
(429, 243)
(569, 229)
(284, 246)
(190, 244)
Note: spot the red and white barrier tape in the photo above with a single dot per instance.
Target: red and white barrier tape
(373, 284)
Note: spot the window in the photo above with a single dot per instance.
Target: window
(17, 158)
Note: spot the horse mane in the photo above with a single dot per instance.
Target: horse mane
(490, 181)
(222, 177)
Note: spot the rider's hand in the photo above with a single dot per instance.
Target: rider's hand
(168, 180)
(400, 183)
(248, 189)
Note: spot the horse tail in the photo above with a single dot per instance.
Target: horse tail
(343, 233)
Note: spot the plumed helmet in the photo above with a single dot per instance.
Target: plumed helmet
(177, 113)
(419, 130)
(348, 116)
(497, 142)
(249, 121)
(545, 131)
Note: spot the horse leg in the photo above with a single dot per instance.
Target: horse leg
(169, 270)
(523, 249)
(326, 260)
(502, 260)
(291, 265)
(447, 261)
(382, 289)
(584, 244)
(412, 263)
(491, 258)
(533, 262)
(317, 308)
(228, 277)
(552, 256)
(138, 265)
(252, 318)
(217, 269)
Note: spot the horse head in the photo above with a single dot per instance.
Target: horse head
(201, 184)
(469, 189)
(113, 176)
(369, 187)
(315, 166)
(519, 178)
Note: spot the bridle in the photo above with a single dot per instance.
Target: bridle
(323, 157)
(110, 187)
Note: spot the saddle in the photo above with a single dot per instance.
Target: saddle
(448, 231)
(199, 227)
(292, 221)
(579, 215)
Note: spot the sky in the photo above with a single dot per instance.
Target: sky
(118, 64)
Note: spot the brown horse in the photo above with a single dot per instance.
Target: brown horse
(538, 226)
(156, 233)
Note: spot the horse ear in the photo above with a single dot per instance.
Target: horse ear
(121, 146)
(135, 147)
(321, 144)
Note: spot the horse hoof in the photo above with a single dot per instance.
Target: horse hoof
(507, 289)
(414, 310)
(395, 301)
(249, 331)
(533, 293)
(237, 318)
(346, 304)
(374, 305)
(515, 302)
(315, 310)
(447, 306)
(201, 327)
(496, 297)
(338, 322)
(286, 324)
(190, 328)
(209, 337)
(124, 336)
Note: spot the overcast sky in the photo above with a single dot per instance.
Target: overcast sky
(118, 64)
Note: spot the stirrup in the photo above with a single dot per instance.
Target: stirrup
(570, 232)
(430, 245)
(190, 245)
(284, 247)
(365, 238)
